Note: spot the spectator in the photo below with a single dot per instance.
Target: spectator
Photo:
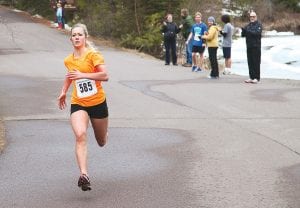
(63, 4)
(227, 33)
(253, 34)
(170, 31)
(212, 43)
(197, 31)
(59, 15)
(54, 5)
(186, 25)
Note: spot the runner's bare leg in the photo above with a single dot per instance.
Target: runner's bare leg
(100, 127)
(80, 122)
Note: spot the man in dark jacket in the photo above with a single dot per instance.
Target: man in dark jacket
(186, 25)
(253, 33)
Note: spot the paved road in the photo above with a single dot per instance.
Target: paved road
(177, 139)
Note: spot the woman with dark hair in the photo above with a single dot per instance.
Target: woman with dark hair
(170, 31)
(227, 33)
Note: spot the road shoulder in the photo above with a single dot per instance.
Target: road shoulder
(2, 136)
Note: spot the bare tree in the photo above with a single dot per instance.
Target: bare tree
(136, 18)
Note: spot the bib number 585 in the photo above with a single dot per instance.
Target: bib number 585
(85, 87)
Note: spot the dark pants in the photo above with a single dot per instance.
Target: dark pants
(170, 45)
(63, 22)
(253, 57)
(212, 53)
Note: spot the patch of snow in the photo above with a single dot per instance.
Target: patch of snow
(67, 27)
(236, 13)
(280, 57)
(275, 33)
(37, 16)
(16, 10)
(54, 24)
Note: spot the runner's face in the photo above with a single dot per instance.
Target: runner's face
(198, 18)
(78, 37)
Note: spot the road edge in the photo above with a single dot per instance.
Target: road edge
(2, 136)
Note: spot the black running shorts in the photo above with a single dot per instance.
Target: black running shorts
(227, 52)
(198, 49)
(96, 111)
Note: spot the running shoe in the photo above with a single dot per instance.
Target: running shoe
(198, 69)
(84, 183)
(194, 68)
(248, 81)
(212, 77)
(226, 72)
(254, 81)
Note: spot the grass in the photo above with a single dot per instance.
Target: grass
(2, 136)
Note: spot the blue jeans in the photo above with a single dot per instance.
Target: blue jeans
(59, 19)
(188, 48)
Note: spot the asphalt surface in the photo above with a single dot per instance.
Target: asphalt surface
(176, 138)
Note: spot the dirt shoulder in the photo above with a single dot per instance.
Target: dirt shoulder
(2, 136)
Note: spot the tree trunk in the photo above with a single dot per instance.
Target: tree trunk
(136, 18)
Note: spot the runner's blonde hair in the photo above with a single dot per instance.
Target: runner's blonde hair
(88, 43)
(198, 14)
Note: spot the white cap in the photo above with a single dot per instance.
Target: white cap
(252, 14)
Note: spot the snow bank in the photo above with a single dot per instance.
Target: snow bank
(275, 33)
(280, 56)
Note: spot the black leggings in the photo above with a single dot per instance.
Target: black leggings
(170, 45)
(212, 52)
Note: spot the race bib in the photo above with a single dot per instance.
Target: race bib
(196, 37)
(85, 87)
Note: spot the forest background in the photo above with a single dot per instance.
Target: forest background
(136, 24)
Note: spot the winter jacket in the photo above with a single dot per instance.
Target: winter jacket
(170, 30)
(187, 23)
(253, 33)
(211, 38)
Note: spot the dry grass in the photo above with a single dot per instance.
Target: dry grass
(286, 22)
(2, 136)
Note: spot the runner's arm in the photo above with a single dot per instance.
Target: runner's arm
(100, 74)
(62, 97)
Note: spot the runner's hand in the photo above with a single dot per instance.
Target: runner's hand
(74, 75)
(62, 101)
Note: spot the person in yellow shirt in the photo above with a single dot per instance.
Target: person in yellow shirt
(85, 71)
(212, 41)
